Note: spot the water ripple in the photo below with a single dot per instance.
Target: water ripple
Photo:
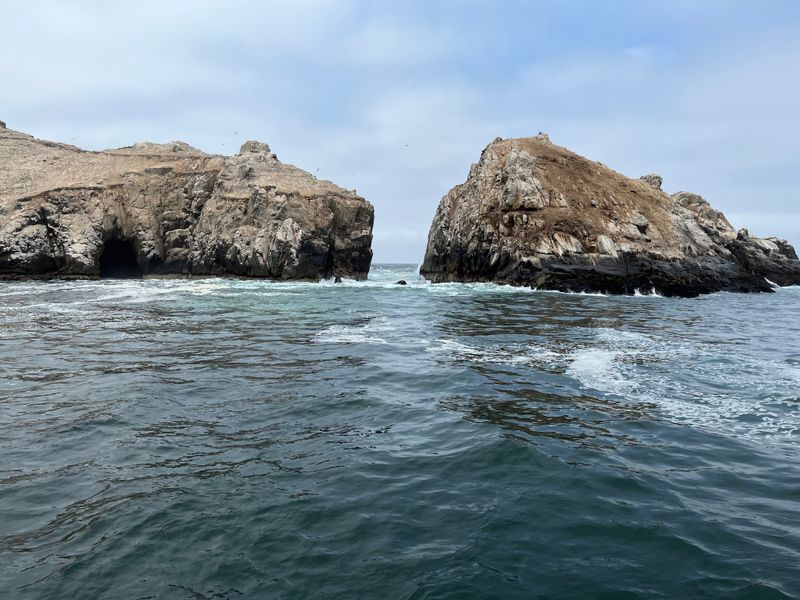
(238, 438)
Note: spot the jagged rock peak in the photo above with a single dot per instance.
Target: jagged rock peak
(534, 213)
(653, 180)
(254, 147)
(172, 209)
(2, 125)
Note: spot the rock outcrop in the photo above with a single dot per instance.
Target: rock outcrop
(534, 213)
(169, 209)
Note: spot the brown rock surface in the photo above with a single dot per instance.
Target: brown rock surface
(534, 213)
(66, 212)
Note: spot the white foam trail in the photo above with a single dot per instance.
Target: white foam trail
(457, 289)
(598, 369)
(674, 375)
(685, 381)
(354, 334)
(511, 354)
(590, 294)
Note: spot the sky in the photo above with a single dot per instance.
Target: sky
(397, 99)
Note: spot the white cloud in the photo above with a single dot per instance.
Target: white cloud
(382, 43)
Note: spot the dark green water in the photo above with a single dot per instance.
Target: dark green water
(246, 439)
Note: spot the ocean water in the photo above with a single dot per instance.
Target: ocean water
(223, 438)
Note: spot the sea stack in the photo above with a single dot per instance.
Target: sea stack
(170, 209)
(534, 213)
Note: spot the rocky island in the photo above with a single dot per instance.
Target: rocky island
(170, 209)
(534, 213)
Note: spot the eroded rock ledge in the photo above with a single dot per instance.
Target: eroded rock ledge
(533, 213)
(170, 209)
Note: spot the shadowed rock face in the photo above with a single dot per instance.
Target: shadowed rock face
(533, 213)
(65, 212)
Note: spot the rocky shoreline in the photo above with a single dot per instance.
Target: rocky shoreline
(533, 213)
(172, 210)
(530, 213)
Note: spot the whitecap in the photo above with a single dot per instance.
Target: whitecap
(364, 333)
(457, 288)
(599, 369)
(573, 293)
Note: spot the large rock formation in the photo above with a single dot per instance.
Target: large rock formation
(533, 213)
(170, 209)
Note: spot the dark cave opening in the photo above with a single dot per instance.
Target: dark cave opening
(118, 260)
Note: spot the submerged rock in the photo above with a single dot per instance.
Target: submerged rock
(401, 282)
(533, 213)
(172, 209)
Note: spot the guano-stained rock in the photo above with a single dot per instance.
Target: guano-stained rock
(534, 213)
(176, 210)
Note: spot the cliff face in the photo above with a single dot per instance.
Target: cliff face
(533, 213)
(170, 209)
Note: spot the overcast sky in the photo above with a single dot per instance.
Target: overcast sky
(397, 99)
